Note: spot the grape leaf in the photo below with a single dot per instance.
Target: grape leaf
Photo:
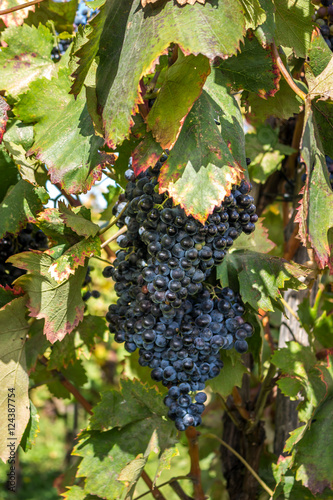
(75, 256)
(122, 452)
(4, 108)
(36, 344)
(74, 493)
(231, 375)
(61, 14)
(65, 139)
(21, 204)
(283, 104)
(261, 277)
(323, 115)
(61, 304)
(254, 69)
(78, 222)
(313, 459)
(294, 25)
(228, 114)
(201, 168)
(8, 172)
(14, 18)
(182, 85)
(265, 32)
(27, 57)
(319, 54)
(254, 14)
(322, 85)
(258, 241)
(315, 211)
(31, 430)
(125, 56)
(14, 377)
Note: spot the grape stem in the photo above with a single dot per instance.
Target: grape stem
(154, 491)
(115, 236)
(69, 386)
(195, 472)
(244, 462)
(19, 7)
(287, 306)
(173, 482)
(285, 73)
(114, 221)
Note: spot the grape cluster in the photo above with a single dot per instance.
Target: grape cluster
(29, 238)
(178, 324)
(324, 18)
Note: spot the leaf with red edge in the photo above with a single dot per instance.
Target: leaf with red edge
(14, 18)
(146, 154)
(79, 220)
(61, 305)
(65, 139)
(181, 86)
(315, 211)
(201, 168)
(4, 108)
(133, 39)
(74, 257)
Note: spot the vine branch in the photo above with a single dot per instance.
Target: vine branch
(19, 7)
(286, 75)
(195, 473)
(244, 462)
(154, 491)
(172, 483)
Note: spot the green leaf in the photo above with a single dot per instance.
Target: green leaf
(4, 108)
(112, 461)
(125, 56)
(298, 363)
(231, 374)
(182, 85)
(294, 25)
(200, 169)
(61, 304)
(283, 104)
(111, 197)
(31, 430)
(258, 241)
(14, 377)
(320, 86)
(261, 277)
(65, 139)
(74, 493)
(141, 402)
(52, 224)
(228, 114)
(313, 458)
(254, 69)
(319, 54)
(265, 32)
(27, 57)
(8, 172)
(254, 14)
(315, 211)
(21, 204)
(80, 223)
(60, 14)
(323, 115)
